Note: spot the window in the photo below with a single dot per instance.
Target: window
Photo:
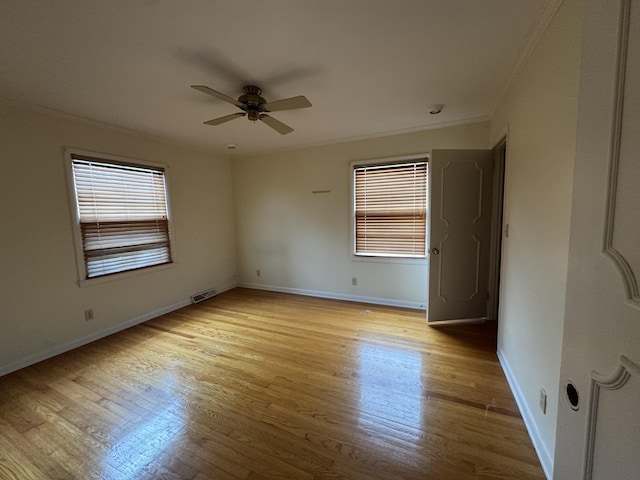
(121, 215)
(390, 209)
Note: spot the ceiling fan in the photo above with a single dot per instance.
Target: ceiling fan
(254, 107)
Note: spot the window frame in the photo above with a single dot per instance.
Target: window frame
(376, 258)
(82, 280)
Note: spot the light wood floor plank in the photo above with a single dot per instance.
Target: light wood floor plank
(254, 385)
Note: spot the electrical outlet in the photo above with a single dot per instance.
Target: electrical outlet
(354, 281)
(88, 314)
(543, 401)
(258, 273)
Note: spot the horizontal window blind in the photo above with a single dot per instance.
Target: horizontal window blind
(123, 215)
(391, 209)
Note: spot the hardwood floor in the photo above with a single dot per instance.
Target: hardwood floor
(259, 385)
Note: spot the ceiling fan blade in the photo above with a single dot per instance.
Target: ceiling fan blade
(221, 96)
(277, 125)
(287, 104)
(226, 118)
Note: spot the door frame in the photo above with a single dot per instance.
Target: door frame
(498, 229)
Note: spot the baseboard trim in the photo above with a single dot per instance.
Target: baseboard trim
(67, 346)
(54, 350)
(541, 448)
(336, 296)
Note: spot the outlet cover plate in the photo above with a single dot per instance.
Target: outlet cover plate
(543, 401)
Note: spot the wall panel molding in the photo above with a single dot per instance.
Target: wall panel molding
(612, 231)
(614, 382)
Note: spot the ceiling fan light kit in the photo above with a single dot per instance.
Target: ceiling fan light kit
(255, 107)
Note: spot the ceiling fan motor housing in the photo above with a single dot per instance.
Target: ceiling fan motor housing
(253, 101)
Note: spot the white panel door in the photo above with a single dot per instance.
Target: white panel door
(598, 430)
(460, 190)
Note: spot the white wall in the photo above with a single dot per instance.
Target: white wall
(539, 112)
(300, 241)
(41, 305)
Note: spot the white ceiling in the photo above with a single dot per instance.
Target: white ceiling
(369, 67)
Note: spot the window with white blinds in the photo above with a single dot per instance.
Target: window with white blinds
(122, 214)
(391, 209)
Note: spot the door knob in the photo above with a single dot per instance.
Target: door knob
(434, 251)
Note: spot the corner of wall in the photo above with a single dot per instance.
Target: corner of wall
(544, 455)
